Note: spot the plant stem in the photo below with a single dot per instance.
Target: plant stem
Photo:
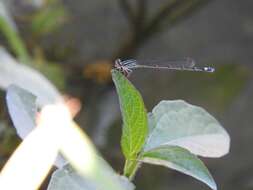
(130, 168)
(14, 41)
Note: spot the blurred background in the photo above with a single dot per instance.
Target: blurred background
(74, 44)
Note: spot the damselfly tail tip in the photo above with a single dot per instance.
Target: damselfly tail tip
(209, 69)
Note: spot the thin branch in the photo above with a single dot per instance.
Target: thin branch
(173, 13)
(136, 18)
(128, 11)
(164, 12)
(135, 15)
(141, 14)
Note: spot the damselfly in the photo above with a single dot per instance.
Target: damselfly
(127, 66)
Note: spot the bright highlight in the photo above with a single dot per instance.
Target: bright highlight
(33, 159)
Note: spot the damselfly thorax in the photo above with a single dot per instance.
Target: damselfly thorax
(126, 67)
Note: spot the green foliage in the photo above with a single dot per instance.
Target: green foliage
(191, 127)
(22, 108)
(48, 19)
(14, 40)
(179, 159)
(52, 71)
(12, 72)
(67, 178)
(134, 116)
(177, 131)
(134, 122)
(171, 136)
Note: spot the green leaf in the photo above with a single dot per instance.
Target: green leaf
(66, 179)
(48, 19)
(134, 116)
(6, 15)
(8, 29)
(191, 127)
(182, 160)
(22, 108)
(12, 72)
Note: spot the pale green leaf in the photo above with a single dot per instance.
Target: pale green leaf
(182, 160)
(181, 124)
(12, 72)
(66, 179)
(22, 108)
(134, 116)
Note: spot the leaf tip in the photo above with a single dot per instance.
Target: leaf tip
(114, 71)
(213, 185)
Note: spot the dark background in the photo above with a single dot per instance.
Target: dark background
(94, 33)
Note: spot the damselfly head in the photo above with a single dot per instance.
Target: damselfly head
(122, 67)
